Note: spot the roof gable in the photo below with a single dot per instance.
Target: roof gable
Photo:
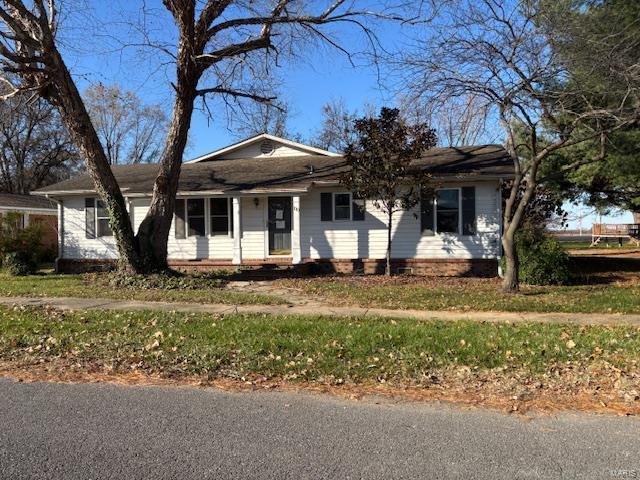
(262, 146)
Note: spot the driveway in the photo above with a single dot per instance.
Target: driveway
(99, 431)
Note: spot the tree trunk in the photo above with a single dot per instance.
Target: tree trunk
(510, 282)
(65, 96)
(154, 230)
(387, 268)
(636, 217)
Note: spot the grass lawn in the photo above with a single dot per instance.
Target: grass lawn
(323, 350)
(96, 286)
(473, 294)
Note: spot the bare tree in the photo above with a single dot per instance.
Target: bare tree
(337, 130)
(463, 120)
(130, 131)
(218, 42)
(502, 53)
(260, 117)
(35, 149)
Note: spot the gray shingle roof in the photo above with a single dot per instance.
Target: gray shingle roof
(11, 200)
(282, 173)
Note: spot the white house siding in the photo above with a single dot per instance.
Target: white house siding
(368, 238)
(337, 239)
(76, 245)
(190, 248)
(253, 151)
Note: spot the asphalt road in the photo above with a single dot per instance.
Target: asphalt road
(96, 431)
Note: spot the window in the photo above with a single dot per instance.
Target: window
(195, 217)
(219, 209)
(448, 210)
(342, 206)
(102, 220)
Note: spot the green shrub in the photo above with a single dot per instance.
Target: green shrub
(17, 264)
(543, 261)
(20, 248)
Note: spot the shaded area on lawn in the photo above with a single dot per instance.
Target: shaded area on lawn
(507, 359)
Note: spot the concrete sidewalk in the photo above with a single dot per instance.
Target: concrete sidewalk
(71, 303)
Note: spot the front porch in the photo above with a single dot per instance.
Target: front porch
(274, 218)
(225, 230)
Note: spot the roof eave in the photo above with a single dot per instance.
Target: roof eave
(42, 210)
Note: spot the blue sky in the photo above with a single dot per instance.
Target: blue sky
(317, 76)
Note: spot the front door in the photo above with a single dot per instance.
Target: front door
(279, 219)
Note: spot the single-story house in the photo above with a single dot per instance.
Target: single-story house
(33, 209)
(268, 201)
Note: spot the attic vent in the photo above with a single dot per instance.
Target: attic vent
(267, 147)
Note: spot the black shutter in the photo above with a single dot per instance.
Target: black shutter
(326, 205)
(426, 215)
(358, 206)
(90, 217)
(469, 210)
(181, 231)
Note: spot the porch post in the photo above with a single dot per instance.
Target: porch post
(296, 255)
(237, 232)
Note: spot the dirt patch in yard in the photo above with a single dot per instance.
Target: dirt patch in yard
(610, 394)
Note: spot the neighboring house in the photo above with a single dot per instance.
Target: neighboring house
(267, 201)
(32, 209)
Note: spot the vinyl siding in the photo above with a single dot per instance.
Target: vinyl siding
(76, 246)
(335, 239)
(368, 238)
(253, 151)
(190, 248)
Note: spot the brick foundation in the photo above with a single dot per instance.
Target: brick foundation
(455, 267)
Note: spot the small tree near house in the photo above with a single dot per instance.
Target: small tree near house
(380, 162)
